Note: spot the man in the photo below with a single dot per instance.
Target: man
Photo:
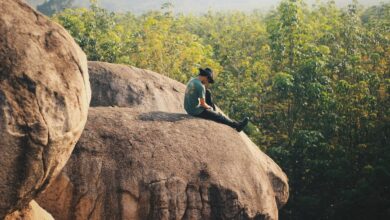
(198, 102)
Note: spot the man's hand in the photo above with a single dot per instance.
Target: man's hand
(204, 104)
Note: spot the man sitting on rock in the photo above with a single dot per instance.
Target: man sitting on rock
(198, 101)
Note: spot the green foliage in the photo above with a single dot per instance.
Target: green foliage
(155, 40)
(315, 82)
(283, 83)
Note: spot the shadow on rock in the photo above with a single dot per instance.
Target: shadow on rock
(164, 116)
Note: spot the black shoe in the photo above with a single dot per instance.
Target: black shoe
(242, 124)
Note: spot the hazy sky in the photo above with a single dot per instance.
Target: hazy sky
(196, 6)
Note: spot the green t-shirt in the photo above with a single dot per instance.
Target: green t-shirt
(195, 90)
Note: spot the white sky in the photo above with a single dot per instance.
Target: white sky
(251, 4)
(196, 6)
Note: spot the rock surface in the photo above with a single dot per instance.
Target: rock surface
(44, 99)
(147, 162)
(132, 165)
(124, 86)
(32, 212)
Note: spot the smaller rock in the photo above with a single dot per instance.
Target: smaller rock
(126, 86)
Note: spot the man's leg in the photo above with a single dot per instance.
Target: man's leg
(218, 117)
(209, 100)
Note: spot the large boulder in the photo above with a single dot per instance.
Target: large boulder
(44, 99)
(160, 165)
(136, 162)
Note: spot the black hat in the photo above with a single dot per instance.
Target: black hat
(207, 72)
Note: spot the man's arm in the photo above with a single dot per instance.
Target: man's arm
(204, 104)
(202, 96)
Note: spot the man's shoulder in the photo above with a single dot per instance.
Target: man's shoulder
(198, 83)
(194, 82)
(191, 81)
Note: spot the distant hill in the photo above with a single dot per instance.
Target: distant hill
(197, 6)
(35, 2)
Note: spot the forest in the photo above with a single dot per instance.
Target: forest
(314, 81)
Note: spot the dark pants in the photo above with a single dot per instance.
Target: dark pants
(215, 116)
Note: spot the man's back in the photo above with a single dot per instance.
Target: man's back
(194, 91)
